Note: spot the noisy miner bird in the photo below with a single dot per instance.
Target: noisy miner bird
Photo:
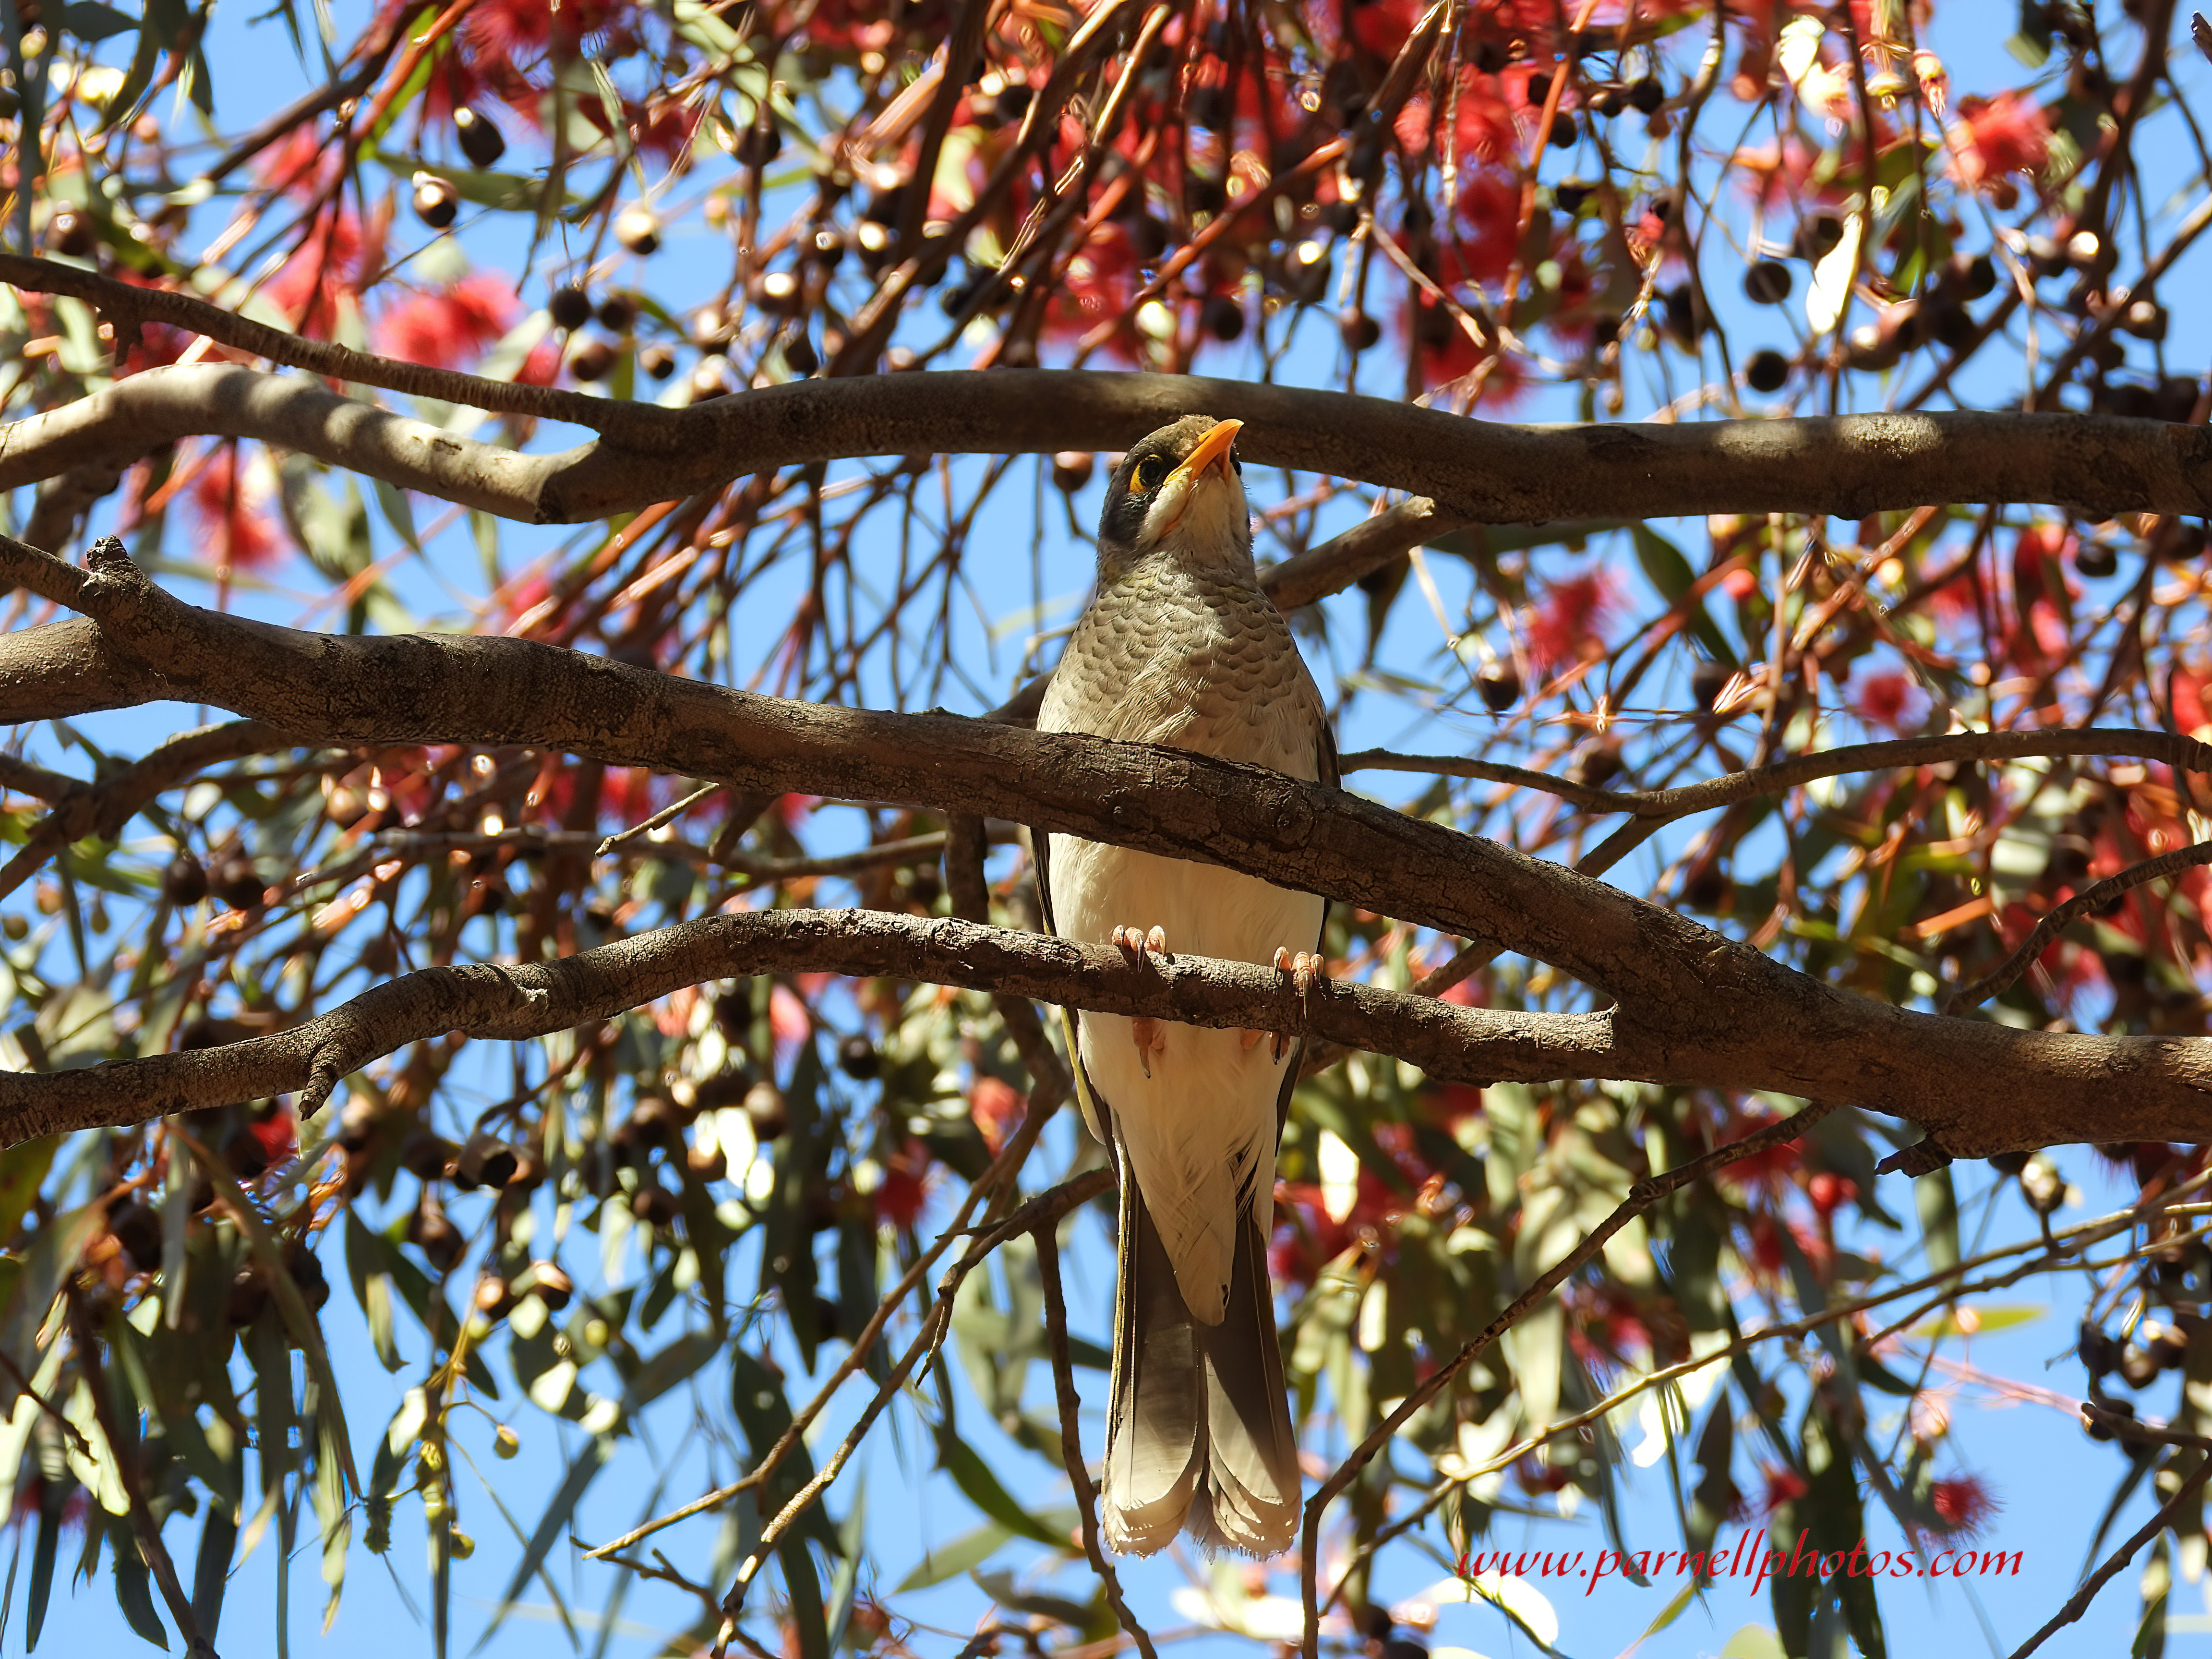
(1181, 647)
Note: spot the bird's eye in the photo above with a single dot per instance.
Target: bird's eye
(1151, 471)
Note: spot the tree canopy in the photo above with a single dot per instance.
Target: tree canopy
(538, 532)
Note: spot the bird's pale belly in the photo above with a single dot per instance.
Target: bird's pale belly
(1197, 1112)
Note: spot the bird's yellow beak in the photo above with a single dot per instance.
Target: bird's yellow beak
(1211, 455)
(1213, 451)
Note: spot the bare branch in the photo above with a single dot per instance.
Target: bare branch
(1694, 1007)
(103, 808)
(1487, 472)
(1950, 748)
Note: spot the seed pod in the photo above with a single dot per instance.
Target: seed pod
(436, 203)
(430, 1231)
(705, 1164)
(1499, 682)
(657, 360)
(1971, 277)
(590, 359)
(69, 232)
(1072, 468)
(570, 307)
(1565, 134)
(424, 1155)
(1596, 761)
(480, 140)
(617, 312)
(459, 1544)
(1645, 96)
(1222, 317)
(185, 880)
(857, 1058)
(249, 1295)
(495, 1295)
(710, 380)
(638, 230)
(2138, 1366)
(1708, 680)
(1816, 237)
(485, 1160)
(1569, 194)
(307, 1271)
(1767, 371)
(778, 290)
(798, 352)
(505, 1442)
(248, 1158)
(1360, 330)
(1768, 282)
(764, 1105)
(238, 884)
(2095, 558)
(551, 1286)
(654, 1205)
(137, 1229)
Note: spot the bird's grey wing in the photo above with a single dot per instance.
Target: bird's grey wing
(1331, 777)
(1094, 1113)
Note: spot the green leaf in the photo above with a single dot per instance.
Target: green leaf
(1670, 573)
(134, 1588)
(212, 1571)
(970, 1549)
(1937, 1199)
(981, 1488)
(51, 1500)
(285, 1293)
(587, 1464)
(91, 20)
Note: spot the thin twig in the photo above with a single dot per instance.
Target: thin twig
(2108, 892)
(2185, 754)
(1641, 1197)
(2078, 1603)
(666, 815)
(1071, 1439)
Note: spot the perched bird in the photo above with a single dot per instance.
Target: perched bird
(1181, 647)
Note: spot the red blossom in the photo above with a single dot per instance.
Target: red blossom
(1964, 1503)
(1881, 698)
(1567, 626)
(278, 1135)
(1996, 137)
(1779, 175)
(451, 328)
(1783, 1485)
(997, 1109)
(238, 531)
(1830, 1193)
(900, 1195)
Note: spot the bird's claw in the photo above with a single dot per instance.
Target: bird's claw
(1150, 1039)
(1307, 969)
(1138, 942)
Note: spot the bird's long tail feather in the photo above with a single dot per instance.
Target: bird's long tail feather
(1198, 1433)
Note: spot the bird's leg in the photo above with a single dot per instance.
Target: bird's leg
(1307, 968)
(1149, 1035)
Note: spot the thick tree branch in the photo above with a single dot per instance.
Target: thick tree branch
(514, 1004)
(1476, 470)
(1695, 1008)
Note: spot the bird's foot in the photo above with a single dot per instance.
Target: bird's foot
(1138, 942)
(1307, 969)
(1149, 1035)
(1151, 1038)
